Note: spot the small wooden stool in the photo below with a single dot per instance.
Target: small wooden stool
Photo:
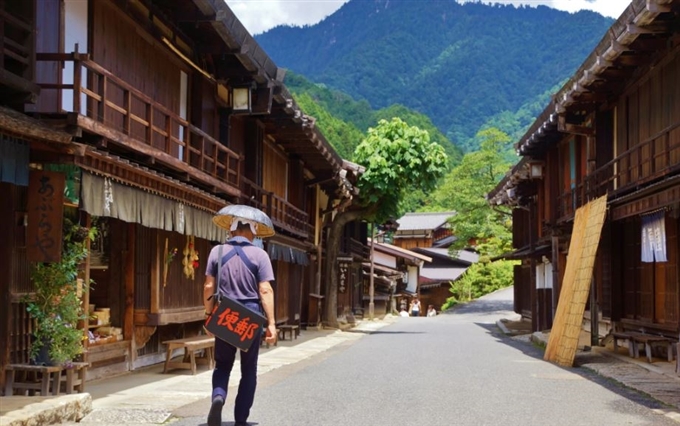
(75, 377)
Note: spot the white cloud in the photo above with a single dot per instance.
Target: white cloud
(260, 15)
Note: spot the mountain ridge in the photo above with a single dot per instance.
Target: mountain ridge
(459, 64)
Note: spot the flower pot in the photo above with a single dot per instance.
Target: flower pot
(43, 356)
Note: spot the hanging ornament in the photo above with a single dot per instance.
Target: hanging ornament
(190, 260)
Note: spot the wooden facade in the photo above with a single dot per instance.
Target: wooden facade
(613, 129)
(134, 99)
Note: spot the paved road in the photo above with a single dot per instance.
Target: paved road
(455, 369)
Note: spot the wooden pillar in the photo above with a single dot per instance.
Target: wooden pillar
(156, 273)
(532, 272)
(7, 220)
(86, 294)
(129, 286)
(556, 274)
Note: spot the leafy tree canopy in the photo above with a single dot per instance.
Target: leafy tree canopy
(464, 191)
(398, 158)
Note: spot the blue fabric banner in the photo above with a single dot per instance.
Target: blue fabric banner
(653, 240)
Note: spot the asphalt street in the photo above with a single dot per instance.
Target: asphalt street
(454, 369)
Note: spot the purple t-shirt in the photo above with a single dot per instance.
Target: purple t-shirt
(236, 280)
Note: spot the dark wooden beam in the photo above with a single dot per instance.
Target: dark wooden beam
(573, 129)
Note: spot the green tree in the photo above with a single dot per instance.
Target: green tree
(481, 278)
(397, 158)
(476, 223)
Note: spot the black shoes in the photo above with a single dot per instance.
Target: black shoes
(215, 414)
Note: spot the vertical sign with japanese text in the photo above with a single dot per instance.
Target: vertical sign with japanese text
(45, 216)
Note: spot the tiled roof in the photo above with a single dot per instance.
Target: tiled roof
(422, 221)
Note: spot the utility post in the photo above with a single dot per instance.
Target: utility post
(371, 287)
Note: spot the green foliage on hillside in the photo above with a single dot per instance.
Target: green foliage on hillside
(344, 121)
(464, 191)
(476, 224)
(461, 65)
(481, 278)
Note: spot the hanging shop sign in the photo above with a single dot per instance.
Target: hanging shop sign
(45, 216)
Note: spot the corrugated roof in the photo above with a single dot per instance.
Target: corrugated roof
(422, 221)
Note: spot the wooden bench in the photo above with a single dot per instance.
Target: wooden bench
(24, 377)
(649, 340)
(622, 335)
(191, 345)
(47, 379)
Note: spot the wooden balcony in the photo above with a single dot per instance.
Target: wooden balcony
(17, 52)
(283, 214)
(647, 163)
(106, 105)
(355, 248)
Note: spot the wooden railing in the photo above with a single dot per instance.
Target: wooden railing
(17, 45)
(351, 246)
(644, 164)
(98, 94)
(282, 213)
(649, 161)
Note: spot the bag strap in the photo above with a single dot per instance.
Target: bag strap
(216, 295)
(236, 251)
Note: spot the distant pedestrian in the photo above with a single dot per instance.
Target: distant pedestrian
(431, 311)
(415, 307)
(403, 313)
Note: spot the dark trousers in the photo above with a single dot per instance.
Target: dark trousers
(225, 354)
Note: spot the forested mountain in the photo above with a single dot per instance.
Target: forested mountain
(461, 65)
(345, 121)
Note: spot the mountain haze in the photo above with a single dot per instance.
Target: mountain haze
(460, 64)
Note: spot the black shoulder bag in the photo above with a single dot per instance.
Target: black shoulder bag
(230, 320)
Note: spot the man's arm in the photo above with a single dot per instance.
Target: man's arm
(267, 298)
(208, 290)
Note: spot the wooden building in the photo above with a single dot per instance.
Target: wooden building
(424, 230)
(396, 273)
(613, 129)
(436, 277)
(156, 113)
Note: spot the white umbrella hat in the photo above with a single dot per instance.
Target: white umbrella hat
(226, 216)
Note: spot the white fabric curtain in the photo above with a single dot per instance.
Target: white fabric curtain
(104, 197)
(653, 236)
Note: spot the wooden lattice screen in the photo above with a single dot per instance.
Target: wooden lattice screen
(585, 239)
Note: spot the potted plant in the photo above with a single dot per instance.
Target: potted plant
(55, 305)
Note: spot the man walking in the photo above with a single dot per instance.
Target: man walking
(245, 276)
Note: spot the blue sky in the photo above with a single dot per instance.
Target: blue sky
(261, 15)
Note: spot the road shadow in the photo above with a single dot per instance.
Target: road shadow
(383, 332)
(481, 307)
(536, 352)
